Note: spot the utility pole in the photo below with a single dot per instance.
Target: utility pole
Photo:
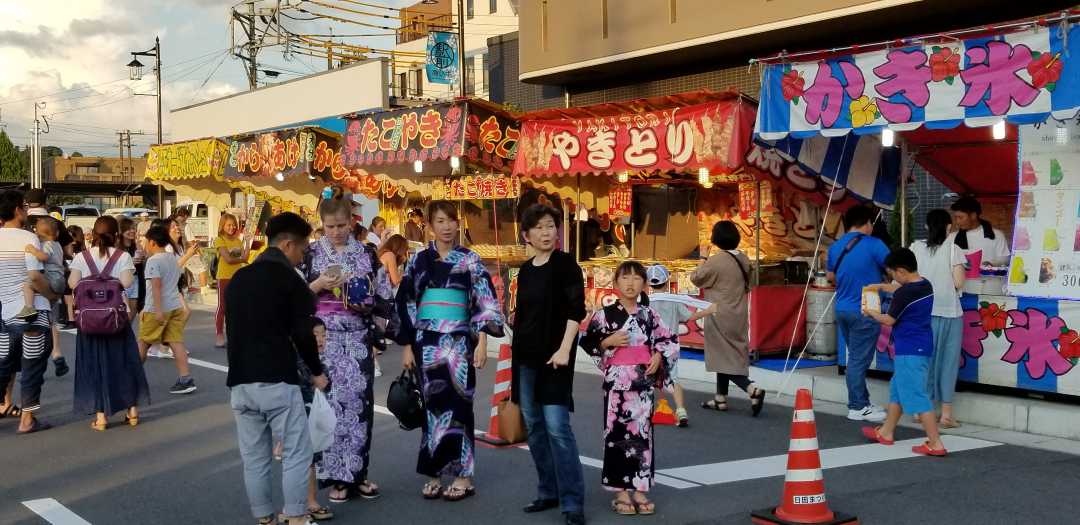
(461, 46)
(36, 179)
(247, 22)
(120, 136)
(136, 74)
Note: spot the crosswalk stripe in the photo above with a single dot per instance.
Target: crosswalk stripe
(53, 512)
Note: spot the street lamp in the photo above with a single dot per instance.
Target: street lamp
(135, 73)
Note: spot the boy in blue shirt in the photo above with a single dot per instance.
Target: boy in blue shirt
(909, 315)
(857, 259)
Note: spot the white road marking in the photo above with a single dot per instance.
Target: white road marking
(53, 512)
(772, 466)
(755, 468)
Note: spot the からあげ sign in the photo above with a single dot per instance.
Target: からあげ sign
(712, 135)
(194, 159)
(480, 187)
(1023, 76)
(288, 152)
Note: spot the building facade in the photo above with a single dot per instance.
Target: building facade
(93, 170)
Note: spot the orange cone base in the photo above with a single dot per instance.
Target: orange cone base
(768, 517)
(492, 439)
(663, 419)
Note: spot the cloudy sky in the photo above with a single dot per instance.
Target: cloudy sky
(72, 55)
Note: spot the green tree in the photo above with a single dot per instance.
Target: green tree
(76, 154)
(11, 163)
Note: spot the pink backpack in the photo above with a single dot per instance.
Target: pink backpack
(100, 301)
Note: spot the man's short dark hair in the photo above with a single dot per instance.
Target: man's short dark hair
(858, 216)
(182, 212)
(726, 236)
(532, 215)
(10, 202)
(902, 259)
(287, 226)
(967, 205)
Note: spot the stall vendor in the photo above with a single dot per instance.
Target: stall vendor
(981, 242)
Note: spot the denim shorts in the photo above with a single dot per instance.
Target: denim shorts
(908, 384)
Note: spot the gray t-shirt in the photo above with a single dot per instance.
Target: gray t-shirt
(54, 267)
(163, 266)
(671, 313)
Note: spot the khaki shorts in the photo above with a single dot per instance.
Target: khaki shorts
(154, 331)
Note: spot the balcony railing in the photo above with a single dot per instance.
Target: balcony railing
(418, 26)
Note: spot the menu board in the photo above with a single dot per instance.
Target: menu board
(1046, 239)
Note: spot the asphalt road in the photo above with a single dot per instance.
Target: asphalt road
(181, 466)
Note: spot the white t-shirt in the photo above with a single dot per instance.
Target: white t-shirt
(14, 263)
(373, 238)
(937, 268)
(995, 251)
(78, 263)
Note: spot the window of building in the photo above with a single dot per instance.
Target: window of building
(470, 75)
(470, 9)
(402, 85)
(84, 169)
(418, 82)
(486, 82)
(493, 6)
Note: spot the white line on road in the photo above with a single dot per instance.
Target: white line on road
(755, 468)
(770, 466)
(53, 512)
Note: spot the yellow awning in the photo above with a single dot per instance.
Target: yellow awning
(194, 159)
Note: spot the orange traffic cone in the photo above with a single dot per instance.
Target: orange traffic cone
(503, 376)
(663, 414)
(804, 487)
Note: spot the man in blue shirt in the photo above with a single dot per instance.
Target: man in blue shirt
(857, 259)
(909, 315)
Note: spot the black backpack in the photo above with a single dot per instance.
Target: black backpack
(406, 401)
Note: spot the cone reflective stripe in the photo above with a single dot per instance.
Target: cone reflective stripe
(804, 498)
(503, 377)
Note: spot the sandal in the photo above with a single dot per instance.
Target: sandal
(372, 491)
(344, 492)
(320, 513)
(874, 434)
(458, 493)
(623, 508)
(925, 450)
(950, 423)
(132, 421)
(100, 427)
(645, 508)
(757, 401)
(432, 490)
(714, 404)
(11, 411)
(36, 426)
(267, 520)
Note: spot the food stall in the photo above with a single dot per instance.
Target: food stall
(992, 115)
(650, 177)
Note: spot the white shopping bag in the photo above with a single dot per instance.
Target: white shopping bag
(321, 422)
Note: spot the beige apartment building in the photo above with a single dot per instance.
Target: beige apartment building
(114, 170)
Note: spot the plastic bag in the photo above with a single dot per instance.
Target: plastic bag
(321, 422)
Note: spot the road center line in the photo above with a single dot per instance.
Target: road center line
(53, 512)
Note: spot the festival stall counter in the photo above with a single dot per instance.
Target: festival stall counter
(1020, 320)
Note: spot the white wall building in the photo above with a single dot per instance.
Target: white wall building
(483, 19)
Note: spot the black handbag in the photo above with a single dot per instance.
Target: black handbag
(406, 401)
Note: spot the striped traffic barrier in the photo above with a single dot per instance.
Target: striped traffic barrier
(503, 377)
(804, 487)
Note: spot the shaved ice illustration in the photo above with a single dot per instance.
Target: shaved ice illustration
(1056, 174)
(1017, 275)
(1027, 174)
(1050, 240)
(1046, 270)
(1023, 238)
(1027, 204)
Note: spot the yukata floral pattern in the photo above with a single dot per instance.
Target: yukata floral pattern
(629, 394)
(444, 353)
(349, 363)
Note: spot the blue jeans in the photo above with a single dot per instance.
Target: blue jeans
(553, 447)
(861, 334)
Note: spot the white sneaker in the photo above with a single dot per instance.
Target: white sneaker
(378, 372)
(866, 414)
(153, 351)
(167, 353)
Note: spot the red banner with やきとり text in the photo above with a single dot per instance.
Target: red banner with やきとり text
(712, 135)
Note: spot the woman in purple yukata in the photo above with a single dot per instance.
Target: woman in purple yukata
(634, 351)
(349, 357)
(446, 304)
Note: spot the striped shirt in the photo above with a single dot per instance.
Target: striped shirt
(14, 265)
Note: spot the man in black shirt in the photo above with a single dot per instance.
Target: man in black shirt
(270, 311)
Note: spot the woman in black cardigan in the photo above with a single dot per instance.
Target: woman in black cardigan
(550, 306)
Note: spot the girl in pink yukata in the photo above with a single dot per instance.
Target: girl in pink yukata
(634, 351)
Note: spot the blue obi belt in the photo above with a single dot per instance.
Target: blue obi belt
(443, 304)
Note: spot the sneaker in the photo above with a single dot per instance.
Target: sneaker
(153, 351)
(27, 313)
(867, 413)
(61, 366)
(684, 420)
(378, 372)
(166, 353)
(183, 387)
